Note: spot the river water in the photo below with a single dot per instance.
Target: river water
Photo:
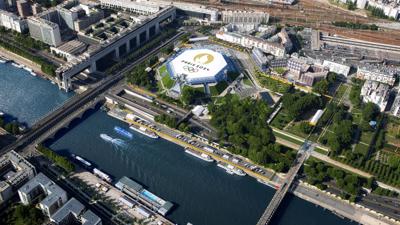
(25, 97)
(203, 193)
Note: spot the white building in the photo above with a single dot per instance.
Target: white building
(376, 74)
(390, 8)
(45, 31)
(139, 7)
(395, 110)
(337, 68)
(375, 92)
(198, 66)
(248, 41)
(245, 20)
(12, 21)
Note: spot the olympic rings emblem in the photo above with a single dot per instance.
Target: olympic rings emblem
(190, 69)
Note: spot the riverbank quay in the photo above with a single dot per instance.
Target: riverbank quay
(340, 207)
(271, 179)
(130, 206)
(313, 195)
(26, 62)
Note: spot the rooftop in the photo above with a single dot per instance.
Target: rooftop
(52, 190)
(72, 207)
(89, 218)
(21, 168)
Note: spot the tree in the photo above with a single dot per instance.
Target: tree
(321, 87)
(241, 122)
(394, 161)
(190, 95)
(305, 127)
(12, 128)
(370, 111)
(355, 93)
(299, 103)
(26, 215)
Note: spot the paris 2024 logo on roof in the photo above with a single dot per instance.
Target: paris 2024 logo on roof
(203, 58)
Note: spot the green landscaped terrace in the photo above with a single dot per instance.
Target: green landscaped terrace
(218, 88)
(166, 79)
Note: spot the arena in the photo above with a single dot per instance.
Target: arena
(198, 66)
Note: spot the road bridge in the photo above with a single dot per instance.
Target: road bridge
(76, 102)
(280, 194)
(186, 117)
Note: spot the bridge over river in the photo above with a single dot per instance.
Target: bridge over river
(280, 194)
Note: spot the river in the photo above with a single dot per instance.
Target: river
(203, 193)
(27, 98)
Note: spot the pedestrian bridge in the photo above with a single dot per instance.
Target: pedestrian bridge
(280, 194)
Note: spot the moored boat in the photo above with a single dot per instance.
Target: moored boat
(27, 69)
(144, 131)
(16, 65)
(102, 175)
(201, 156)
(82, 160)
(231, 169)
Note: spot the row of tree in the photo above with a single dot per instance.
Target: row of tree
(382, 172)
(172, 121)
(138, 76)
(46, 66)
(377, 12)
(357, 25)
(319, 174)
(60, 161)
(12, 127)
(24, 39)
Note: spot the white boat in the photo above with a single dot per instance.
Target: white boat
(144, 131)
(53, 82)
(239, 172)
(225, 167)
(33, 74)
(235, 170)
(2, 61)
(17, 65)
(228, 171)
(231, 169)
(102, 175)
(106, 137)
(201, 156)
(82, 160)
(27, 69)
(2, 113)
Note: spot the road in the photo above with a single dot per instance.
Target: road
(162, 107)
(340, 207)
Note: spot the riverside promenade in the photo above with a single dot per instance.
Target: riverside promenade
(26, 62)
